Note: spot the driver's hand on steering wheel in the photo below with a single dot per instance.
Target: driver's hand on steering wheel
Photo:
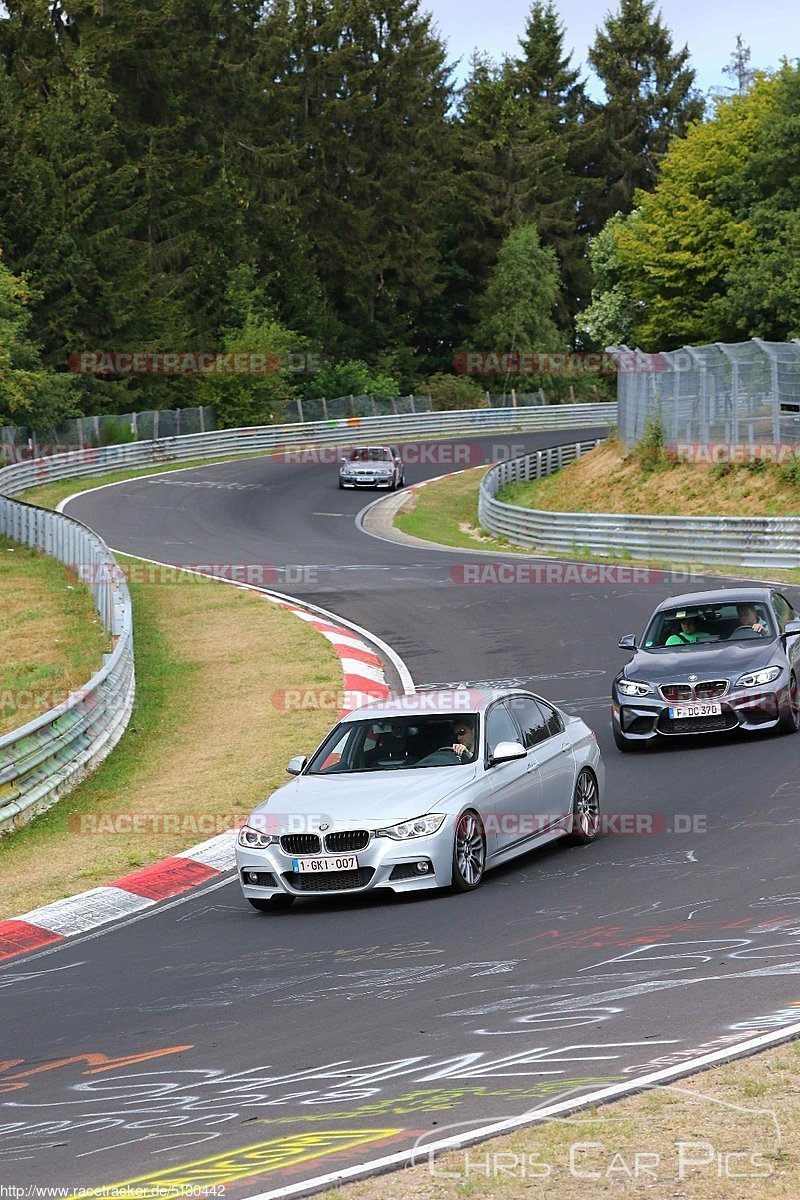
(460, 750)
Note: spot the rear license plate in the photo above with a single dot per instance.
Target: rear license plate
(342, 862)
(710, 709)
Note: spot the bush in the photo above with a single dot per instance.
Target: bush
(114, 431)
(790, 473)
(651, 453)
(353, 377)
(450, 393)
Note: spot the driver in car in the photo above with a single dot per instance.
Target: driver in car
(748, 616)
(464, 744)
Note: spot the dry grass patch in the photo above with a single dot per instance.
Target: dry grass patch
(207, 741)
(728, 1132)
(51, 637)
(446, 513)
(609, 481)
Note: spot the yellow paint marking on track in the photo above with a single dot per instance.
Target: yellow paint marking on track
(274, 1155)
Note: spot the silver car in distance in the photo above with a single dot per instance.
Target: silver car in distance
(372, 467)
(423, 791)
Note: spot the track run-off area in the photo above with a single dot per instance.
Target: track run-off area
(204, 1043)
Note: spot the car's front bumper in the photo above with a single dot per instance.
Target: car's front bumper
(384, 863)
(645, 718)
(353, 482)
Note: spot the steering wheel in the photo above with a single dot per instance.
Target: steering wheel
(432, 759)
(742, 632)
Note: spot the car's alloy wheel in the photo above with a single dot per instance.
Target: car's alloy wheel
(469, 852)
(790, 717)
(585, 809)
(273, 904)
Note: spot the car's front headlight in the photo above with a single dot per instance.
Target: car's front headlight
(255, 839)
(631, 687)
(418, 827)
(756, 678)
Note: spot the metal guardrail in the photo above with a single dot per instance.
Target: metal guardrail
(45, 758)
(90, 461)
(734, 541)
(49, 755)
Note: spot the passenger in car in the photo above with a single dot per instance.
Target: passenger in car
(688, 633)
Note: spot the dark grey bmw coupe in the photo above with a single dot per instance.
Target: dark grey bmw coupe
(710, 662)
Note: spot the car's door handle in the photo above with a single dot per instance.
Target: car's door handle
(566, 749)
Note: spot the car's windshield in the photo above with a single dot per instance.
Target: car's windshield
(370, 454)
(397, 743)
(700, 624)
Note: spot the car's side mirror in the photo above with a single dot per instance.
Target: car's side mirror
(507, 752)
(295, 765)
(792, 629)
(628, 641)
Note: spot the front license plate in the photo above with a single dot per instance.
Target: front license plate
(342, 862)
(710, 709)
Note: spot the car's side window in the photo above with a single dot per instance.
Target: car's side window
(531, 720)
(791, 613)
(554, 722)
(783, 610)
(499, 728)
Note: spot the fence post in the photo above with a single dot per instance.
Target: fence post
(542, 399)
(352, 401)
(413, 405)
(155, 426)
(513, 397)
(324, 408)
(300, 416)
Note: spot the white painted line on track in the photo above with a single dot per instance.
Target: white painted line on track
(422, 1154)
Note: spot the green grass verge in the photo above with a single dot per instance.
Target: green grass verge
(51, 637)
(209, 738)
(446, 513)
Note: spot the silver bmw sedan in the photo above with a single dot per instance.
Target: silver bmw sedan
(423, 791)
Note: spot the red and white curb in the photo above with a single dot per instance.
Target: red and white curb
(364, 681)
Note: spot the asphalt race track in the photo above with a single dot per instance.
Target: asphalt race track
(291, 1045)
